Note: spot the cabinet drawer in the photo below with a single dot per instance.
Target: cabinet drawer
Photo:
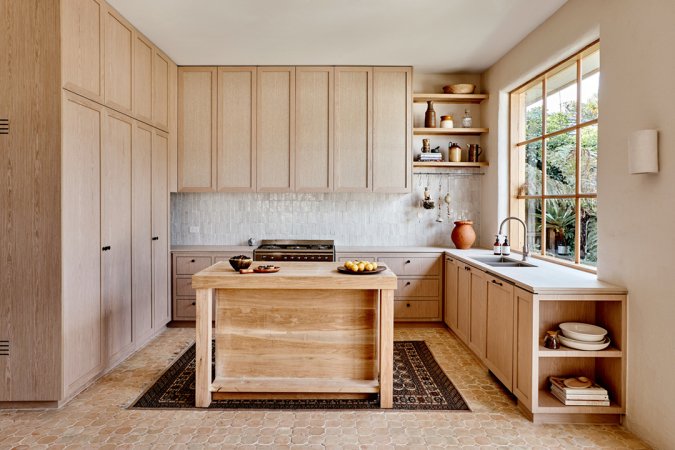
(346, 258)
(416, 309)
(415, 266)
(189, 265)
(415, 287)
(186, 308)
(184, 287)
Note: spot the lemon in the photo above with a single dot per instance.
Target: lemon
(354, 268)
(374, 265)
(369, 267)
(362, 266)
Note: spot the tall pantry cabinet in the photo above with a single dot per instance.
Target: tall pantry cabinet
(90, 107)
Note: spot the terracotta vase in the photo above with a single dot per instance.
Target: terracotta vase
(463, 235)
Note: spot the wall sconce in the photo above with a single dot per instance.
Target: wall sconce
(643, 152)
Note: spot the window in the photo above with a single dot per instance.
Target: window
(554, 149)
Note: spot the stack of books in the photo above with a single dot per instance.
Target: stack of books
(430, 157)
(594, 395)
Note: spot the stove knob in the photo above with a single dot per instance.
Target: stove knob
(285, 257)
(305, 257)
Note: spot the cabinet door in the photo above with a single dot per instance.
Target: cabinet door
(392, 159)
(463, 302)
(526, 341)
(275, 152)
(143, 52)
(236, 129)
(313, 129)
(81, 47)
(81, 288)
(116, 232)
(160, 90)
(118, 55)
(160, 230)
(353, 129)
(196, 129)
(450, 293)
(141, 247)
(499, 330)
(477, 334)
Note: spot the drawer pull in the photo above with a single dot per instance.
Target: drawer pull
(497, 283)
(407, 305)
(449, 260)
(407, 283)
(155, 238)
(407, 262)
(194, 303)
(106, 248)
(192, 260)
(467, 268)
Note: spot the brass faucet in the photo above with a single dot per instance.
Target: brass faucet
(526, 250)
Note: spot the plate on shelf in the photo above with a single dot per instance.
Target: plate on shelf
(263, 269)
(584, 345)
(379, 269)
(583, 331)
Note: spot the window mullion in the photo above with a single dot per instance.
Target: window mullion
(577, 190)
(543, 167)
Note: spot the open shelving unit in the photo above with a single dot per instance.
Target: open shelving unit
(450, 98)
(606, 367)
(450, 131)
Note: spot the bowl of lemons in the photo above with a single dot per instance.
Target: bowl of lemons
(361, 267)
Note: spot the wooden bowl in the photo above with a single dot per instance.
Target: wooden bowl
(240, 262)
(463, 88)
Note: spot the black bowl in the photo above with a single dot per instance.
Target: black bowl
(240, 262)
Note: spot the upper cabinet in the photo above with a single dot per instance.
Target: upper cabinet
(294, 129)
(160, 90)
(353, 129)
(118, 50)
(236, 129)
(275, 152)
(197, 104)
(82, 49)
(392, 138)
(313, 129)
(143, 55)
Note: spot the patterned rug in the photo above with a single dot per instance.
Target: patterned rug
(419, 384)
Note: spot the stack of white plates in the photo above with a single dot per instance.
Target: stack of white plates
(584, 336)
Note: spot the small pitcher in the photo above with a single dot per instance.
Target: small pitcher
(454, 152)
(474, 152)
(551, 340)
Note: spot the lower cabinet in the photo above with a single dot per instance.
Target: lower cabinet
(450, 293)
(499, 330)
(477, 324)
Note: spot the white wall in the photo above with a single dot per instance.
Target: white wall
(636, 216)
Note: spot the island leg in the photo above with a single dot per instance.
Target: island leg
(203, 348)
(386, 348)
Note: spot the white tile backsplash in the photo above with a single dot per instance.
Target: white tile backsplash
(349, 218)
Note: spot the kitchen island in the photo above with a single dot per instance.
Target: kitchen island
(306, 331)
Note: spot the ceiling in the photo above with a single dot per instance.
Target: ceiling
(434, 36)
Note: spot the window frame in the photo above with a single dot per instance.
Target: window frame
(517, 200)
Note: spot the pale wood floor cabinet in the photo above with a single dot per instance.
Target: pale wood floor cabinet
(420, 283)
(294, 129)
(83, 196)
(504, 325)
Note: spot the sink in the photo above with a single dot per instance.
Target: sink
(500, 261)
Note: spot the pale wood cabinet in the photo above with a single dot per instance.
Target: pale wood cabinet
(450, 293)
(275, 128)
(236, 126)
(499, 330)
(82, 47)
(313, 129)
(73, 80)
(81, 249)
(143, 82)
(118, 49)
(353, 129)
(477, 330)
(160, 230)
(197, 106)
(392, 139)
(141, 223)
(161, 66)
(116, 232)
(463, 301)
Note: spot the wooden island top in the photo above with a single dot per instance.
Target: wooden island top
(307, 331)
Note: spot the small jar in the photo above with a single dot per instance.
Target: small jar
(446, 122)
(551, 340)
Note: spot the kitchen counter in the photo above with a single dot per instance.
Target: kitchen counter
(338, 248)
(546, 278)
(213, 248)
(306, 331)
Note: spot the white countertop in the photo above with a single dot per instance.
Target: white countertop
(213, 248)
(546, 278)
(388, 249)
